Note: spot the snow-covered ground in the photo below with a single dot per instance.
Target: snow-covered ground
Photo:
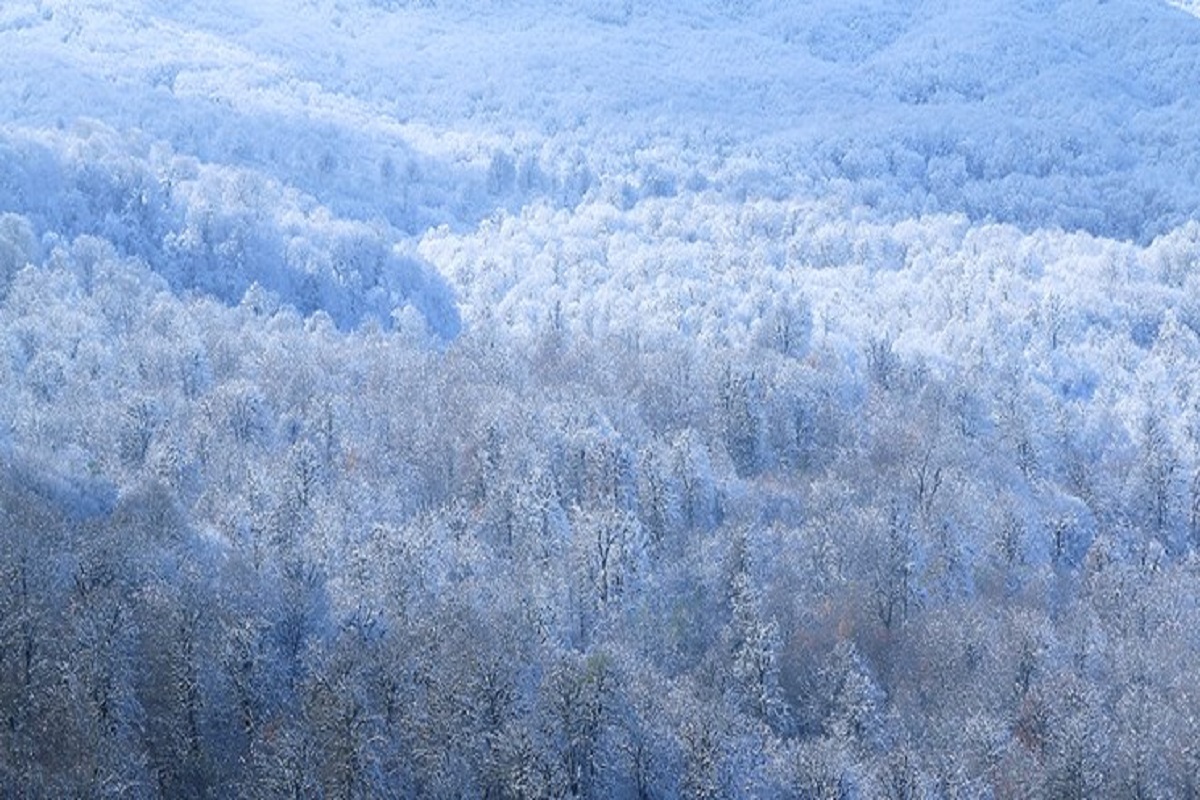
(653, 146)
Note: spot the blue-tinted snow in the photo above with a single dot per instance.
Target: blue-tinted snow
(611, 158)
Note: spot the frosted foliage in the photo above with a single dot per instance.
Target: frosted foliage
(18, 248)
(599, 398)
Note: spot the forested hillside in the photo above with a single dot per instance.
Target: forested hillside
(599, 399)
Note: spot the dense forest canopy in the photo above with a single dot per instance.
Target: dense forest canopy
(713, 399)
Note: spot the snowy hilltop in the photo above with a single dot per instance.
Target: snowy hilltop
(393, 122)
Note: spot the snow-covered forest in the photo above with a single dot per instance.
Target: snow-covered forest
(599, 399)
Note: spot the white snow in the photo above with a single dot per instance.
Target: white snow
(637, 165)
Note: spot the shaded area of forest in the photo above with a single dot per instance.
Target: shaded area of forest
(248, 554)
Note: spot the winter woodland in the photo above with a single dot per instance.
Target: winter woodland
(607, 399)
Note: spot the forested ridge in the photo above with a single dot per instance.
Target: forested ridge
(249, 554)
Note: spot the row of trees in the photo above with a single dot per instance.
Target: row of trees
(248, 554)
